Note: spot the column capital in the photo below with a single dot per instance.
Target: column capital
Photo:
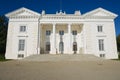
(69, 24)
(54, 24)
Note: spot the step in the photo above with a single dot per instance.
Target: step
(62, 57)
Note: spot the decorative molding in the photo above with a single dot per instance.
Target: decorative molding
(101, 36)
(89, 15)
(16, 13)
(61, 17)
(109, 14)
(23, 36)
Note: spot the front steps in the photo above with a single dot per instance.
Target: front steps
(62, 57)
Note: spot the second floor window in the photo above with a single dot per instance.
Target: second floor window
(22, 28)
(74, 32)
(48, 32)
(61, 32)
(100, 28)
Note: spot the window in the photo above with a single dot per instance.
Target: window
(74, 32)
(61, 32)
(101, 44)
(20, 55)
(21, 45)
(22, 28)
(102, 55)
(100, 28)
(48, 32)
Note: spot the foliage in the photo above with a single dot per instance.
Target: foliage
(2, 58)
(119, 56)
(3, 33)
(118, 43)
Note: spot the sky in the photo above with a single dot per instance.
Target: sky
(69, 6)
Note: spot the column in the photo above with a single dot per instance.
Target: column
(84, 40)
(54, 40)
(38, 47)
(69, 37)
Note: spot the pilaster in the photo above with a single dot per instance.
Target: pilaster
(39, 30)
(69, 37)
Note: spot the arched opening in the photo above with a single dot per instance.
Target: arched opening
(61, 47)
(75, 47)
(47, 47)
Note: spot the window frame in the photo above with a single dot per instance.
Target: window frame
(74, 32)
(74, 46)
(102, 55)
(100, 28)
(61, 32)
(48, 32)
(23, 28)
(101, 44)
(21, 45)
(48, 46)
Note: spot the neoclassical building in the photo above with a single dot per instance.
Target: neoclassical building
(31, 33)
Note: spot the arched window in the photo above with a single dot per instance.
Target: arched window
(61, 47)
(47, 46)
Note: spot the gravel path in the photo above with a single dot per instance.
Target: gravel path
(60, 70)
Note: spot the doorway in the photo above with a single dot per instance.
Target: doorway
(75, 47)
(61, 47)
(47, 47)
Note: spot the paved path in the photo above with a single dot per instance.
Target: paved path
(60, 70)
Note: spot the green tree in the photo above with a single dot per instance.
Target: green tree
(3, 33)
(118, 45)
(118, 42)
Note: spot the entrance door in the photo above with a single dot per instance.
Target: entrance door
(47, 47)
(75, 47)
(61, 47)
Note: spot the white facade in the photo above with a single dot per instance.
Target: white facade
(32, 33)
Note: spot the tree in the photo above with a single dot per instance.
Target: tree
(118, 45)
(3, 33)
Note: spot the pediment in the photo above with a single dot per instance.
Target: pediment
(23, 12)
(100, 13)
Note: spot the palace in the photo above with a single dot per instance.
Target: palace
(32, 33)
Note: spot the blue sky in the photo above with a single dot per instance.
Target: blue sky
(51, 6)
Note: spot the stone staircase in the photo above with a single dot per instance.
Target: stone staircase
(62, 57)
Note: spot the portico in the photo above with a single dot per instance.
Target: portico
(61, 38)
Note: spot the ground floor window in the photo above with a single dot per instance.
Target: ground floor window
(21, 45)
(101, 44)
(20, 55)
(102, 55)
